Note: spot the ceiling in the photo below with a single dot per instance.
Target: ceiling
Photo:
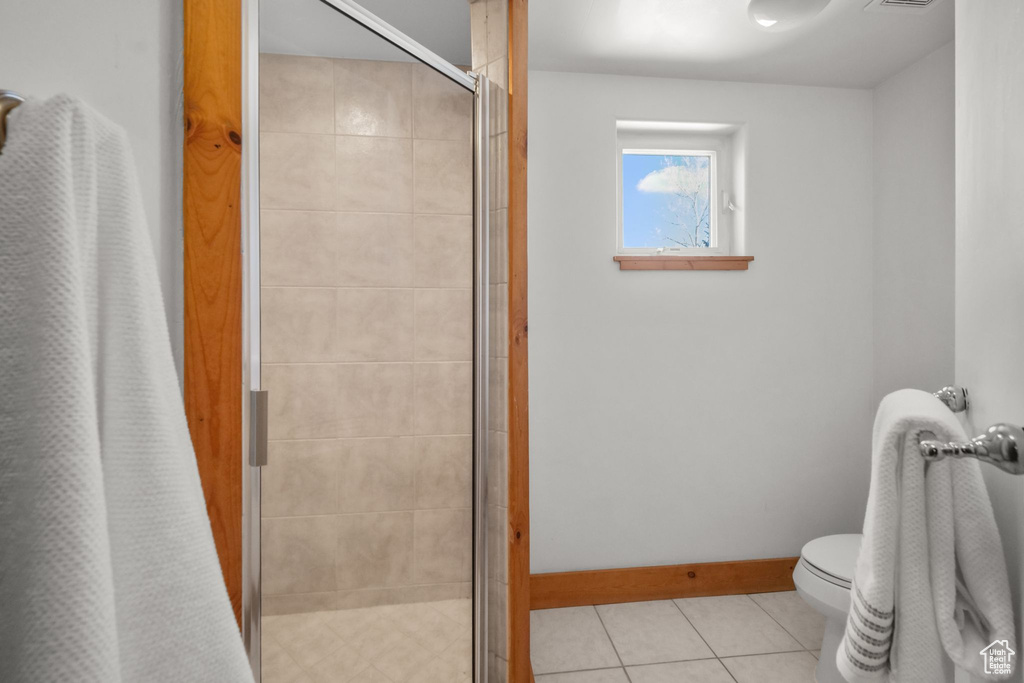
(844, 46)
(311, 28)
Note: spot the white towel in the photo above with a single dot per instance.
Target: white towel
(930, 589)
(108, 572)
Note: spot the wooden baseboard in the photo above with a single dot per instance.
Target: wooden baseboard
(635, 584)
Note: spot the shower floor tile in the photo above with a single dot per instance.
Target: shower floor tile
(427, 642)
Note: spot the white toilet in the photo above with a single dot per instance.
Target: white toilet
(823, 577)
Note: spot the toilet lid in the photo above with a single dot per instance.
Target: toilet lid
(833, 555)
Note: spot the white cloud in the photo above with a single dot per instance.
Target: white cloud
(675, 180)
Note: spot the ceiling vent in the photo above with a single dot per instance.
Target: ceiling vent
(904, 6)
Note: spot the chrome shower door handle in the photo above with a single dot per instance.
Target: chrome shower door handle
(258, 401)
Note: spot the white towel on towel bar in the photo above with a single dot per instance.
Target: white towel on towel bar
(108, 572)
(930, 589)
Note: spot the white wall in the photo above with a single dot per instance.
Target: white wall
(914, 226)
(688, 417)
(990, 243)
(124, 59)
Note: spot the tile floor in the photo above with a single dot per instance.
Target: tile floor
(762, 638)
(427, 642)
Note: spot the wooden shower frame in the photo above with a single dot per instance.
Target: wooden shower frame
(213, 294)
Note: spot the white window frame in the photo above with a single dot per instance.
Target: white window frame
(685, 144)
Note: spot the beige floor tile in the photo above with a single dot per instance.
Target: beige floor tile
(404, 614)
(459, 611)
(652, 632)
(371, 675)
(569, 639)
(802, 621)
(438, 670)
(317, 646)
(816, 653)
(287, 627)
(698, 671)
(278, 665)
(439, 641)
(349, 623)
(594, 676)
(460, 654)
(411, 642)
(401, 662)
(340, 667)
(788, 667)
(429, 627)
(377, 638)
(735, 625)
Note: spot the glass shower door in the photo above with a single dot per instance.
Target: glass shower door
(368, 329)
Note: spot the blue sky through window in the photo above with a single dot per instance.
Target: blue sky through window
(666, 200)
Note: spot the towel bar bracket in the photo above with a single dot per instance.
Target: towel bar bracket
(954, 397)
(1000, 446)
(8, 101)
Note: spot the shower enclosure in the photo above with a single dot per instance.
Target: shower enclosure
(369, 360)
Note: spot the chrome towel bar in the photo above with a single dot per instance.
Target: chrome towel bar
(8, 101)
(998, 446)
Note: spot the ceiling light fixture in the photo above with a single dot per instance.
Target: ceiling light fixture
(781, 15)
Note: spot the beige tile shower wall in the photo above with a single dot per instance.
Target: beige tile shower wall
(489, 27)
(366, 322)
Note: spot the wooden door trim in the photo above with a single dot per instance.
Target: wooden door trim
(520, 670)
(211, 195)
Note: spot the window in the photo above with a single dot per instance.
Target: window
(680, 190)
(668, 201)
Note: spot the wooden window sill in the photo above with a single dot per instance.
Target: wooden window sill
(662, 262)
